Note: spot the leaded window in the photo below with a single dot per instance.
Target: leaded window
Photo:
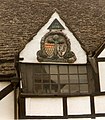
(60, 79)
(55, 79)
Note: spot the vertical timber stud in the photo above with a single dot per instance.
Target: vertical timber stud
(65, 107)
(16, 64)
(97, 82)
(92, 106)
(21, 107)
(15, 103)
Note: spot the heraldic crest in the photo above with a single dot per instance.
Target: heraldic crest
(55, 47)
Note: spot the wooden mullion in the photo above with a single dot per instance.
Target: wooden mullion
(78, 77)
(68, 78)
(50, 87)
(59, 91)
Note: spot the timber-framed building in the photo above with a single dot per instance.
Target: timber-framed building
(52, 59)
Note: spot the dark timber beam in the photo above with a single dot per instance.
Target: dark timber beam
(6, 91)
(14, 84)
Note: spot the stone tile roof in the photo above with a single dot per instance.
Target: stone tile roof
(21, 19)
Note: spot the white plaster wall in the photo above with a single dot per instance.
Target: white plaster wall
(30, 50)
(78, 105)
(101, 66)
(44, 106)
(3, 85)
(6, 104)
(100, 104)
(102, 54)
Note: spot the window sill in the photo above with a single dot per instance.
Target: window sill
(54, 95)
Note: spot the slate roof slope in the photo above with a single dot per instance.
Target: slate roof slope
(21, 19)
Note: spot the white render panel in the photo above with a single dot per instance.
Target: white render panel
(78, 105)
(99, 104)
(102, 54)
(6, 104)
(30, 50)
(44, 106)
(3, 85)
(101, 66)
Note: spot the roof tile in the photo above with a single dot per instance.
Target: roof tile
(21, 19)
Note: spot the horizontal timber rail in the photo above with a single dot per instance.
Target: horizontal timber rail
(60, 95)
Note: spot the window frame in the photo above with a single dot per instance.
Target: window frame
(89, 83)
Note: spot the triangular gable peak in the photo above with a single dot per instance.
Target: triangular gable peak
(29, 53)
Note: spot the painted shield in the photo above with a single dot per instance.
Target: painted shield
(49, 49)
(61, 49)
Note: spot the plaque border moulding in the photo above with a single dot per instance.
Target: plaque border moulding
(55, 47)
